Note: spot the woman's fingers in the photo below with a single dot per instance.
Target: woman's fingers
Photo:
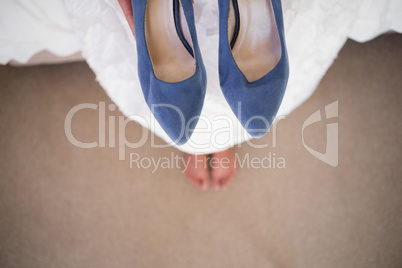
(128, 13)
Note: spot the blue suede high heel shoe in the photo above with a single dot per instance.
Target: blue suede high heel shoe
(170, 67)
(253, 61)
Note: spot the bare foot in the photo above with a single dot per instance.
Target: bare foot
(223, 168)
(196, 169)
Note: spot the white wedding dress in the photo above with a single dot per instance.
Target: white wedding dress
(315, 32)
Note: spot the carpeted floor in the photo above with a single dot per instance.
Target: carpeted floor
(63, 206)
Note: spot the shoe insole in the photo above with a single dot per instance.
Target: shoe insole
(171, 61)
(257, 49)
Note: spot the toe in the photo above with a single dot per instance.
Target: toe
(203, 183)
(225, 181)
(200, 181)
(216, 181)
(197, 172)
(197, 183)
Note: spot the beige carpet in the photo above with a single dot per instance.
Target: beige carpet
(62, 206)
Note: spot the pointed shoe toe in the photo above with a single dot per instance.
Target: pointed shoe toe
(253, 61)
(170, 67)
